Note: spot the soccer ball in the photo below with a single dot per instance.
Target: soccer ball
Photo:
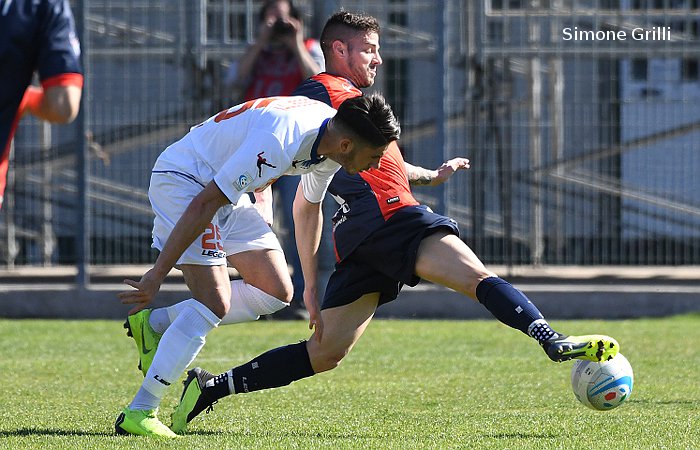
(602, 385)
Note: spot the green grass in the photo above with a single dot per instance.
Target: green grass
(407, 384)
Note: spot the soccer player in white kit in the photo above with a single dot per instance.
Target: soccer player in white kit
(205, 220)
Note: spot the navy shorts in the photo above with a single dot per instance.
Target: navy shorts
(386, 260)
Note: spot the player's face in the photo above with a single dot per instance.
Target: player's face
(363, 59)
(364, 158)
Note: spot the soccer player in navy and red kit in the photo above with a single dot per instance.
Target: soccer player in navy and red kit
(383, 238)
(37, 35)
(371, 198)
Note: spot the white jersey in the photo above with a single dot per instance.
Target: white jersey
(247, 147)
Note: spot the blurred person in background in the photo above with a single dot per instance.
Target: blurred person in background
(37, 35)
(279, 59)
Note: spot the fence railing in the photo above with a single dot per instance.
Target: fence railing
(584, 145)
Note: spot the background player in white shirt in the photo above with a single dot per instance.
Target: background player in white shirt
(204, 220)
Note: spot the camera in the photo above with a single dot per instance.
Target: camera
(281, 28)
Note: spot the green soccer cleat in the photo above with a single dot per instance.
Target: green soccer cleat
(194, 399)
(146, 338)
(594, 347)
(142, 423)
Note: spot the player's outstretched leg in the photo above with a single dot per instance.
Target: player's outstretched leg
(274, 368)
(194, 399)
(594, 347)
(146, 338)
(513, 308)
(445, 259)
(143, 423)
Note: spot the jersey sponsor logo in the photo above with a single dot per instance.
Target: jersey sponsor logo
(262, 161)
(393, 200)
(339, 222)
(213, 254)
(304, 163)
(243, 181)
(340, 216)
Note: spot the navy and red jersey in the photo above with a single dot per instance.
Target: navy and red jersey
(369, 198)
(37, 35)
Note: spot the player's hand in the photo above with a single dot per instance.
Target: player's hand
(146, 289)
(312, 306)
(316, 324)
(448, 168)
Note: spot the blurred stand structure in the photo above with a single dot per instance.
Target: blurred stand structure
(584, 151)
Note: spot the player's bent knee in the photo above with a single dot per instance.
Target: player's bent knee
(220, 309)
(329, 361)
(285, 294)
(282, 291)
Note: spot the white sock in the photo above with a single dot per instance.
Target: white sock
(161, 318)
(248, 303)
(178, 347)
(144, 400)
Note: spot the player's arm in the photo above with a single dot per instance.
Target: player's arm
(308, 225)
(55, 104)
(419, 176)
(196, 217)
(59, 68)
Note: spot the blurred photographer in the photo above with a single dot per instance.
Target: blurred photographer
(279, 59)
(275, 64)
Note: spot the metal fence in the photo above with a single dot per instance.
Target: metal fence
(581, 120)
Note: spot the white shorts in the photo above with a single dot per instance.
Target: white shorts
(234, 228)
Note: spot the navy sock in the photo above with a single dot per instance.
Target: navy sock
(275, 368)
(508, 304)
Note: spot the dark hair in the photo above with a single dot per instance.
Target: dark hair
(293, 11)
(343, 25)
(370, 118)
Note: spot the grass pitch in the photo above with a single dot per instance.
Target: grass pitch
(407, 384)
